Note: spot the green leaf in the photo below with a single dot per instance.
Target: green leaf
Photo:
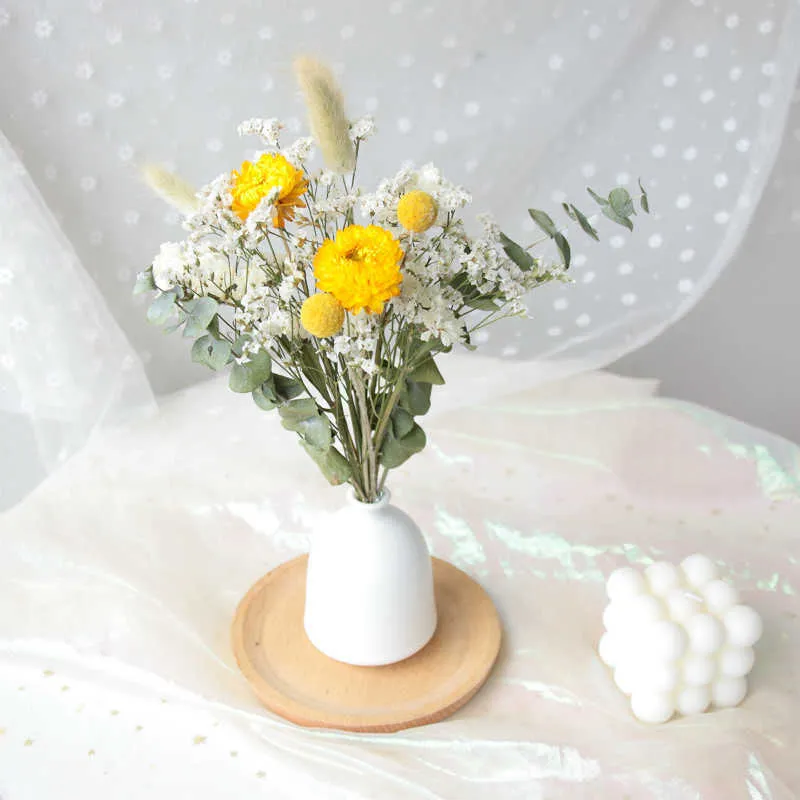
(621, 202)
(544, 221)
(175, 322)
(298, 410)
(585, 224)
(402, 422)
(238, 345)
(614, 217)
(427, 372)
(214, 353)
(315, 431)
(303, 417)
(312, 368)
(162, 308)
(644, 202)
(287, 388)
(416, 398)
(523, 259)
(563, 247)
(395, 452)
(263, 400)
(568, 210)
(601, 201)
(202, 312)
(144, 282)
(333, 465)
(250, 375)
(482, 303)
(265, 396)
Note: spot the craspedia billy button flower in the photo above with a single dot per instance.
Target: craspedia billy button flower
(416, 211)
(322, 315)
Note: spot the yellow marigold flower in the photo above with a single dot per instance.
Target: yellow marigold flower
(255, 181)
(361, 268)
(417, 211)
(322, 315)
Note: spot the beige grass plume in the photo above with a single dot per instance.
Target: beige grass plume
(171, 188)
(326, 113)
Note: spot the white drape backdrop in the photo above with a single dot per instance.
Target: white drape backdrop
(524, 103)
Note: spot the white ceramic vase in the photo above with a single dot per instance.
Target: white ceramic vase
(369, 587)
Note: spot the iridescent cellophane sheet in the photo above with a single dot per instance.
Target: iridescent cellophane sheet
(119, 577)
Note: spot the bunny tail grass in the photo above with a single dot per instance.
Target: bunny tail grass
(326, 113)
(171, 188)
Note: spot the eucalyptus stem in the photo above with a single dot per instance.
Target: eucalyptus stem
(369, 467)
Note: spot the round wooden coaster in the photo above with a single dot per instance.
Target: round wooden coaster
(295, 680)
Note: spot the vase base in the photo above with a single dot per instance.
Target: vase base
(298, 682)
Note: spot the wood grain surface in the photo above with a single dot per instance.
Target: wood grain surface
(295, 680)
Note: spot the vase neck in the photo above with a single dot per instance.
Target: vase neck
(381, 502)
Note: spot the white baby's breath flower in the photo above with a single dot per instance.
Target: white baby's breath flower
(299, 151)
(327, 178)
(267, 129)
(262, 214)
(169, 265)
(381, 206)
(287, 288)
(362, 128)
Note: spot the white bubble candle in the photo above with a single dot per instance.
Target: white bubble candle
(678, 639)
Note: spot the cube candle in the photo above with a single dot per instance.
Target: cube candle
(678, 639)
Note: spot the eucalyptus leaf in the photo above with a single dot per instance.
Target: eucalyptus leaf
(563, 247)
(402, 422)
(395, 452)
(482, 303)
(333, 465)
(264, 397)
(544, 221)
(416, 398)
(568, 210)
(214, 353)
(144, 282)
(609, 212)
(621, 202)
(162, 308)
(201, 312)
(644, 202)
(601, 201)
(286, 388)
(315, 431)
(427, 372)
(175, 322)
(585, 224)
(521, 257)
(298, 410)
(249, 375)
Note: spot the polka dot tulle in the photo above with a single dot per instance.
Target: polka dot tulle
(522, 103)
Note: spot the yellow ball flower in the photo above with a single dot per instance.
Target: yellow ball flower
(322, 315)
(361, 268)
(417, 211)
(252, 182)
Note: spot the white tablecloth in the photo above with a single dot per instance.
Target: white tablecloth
(119, 577)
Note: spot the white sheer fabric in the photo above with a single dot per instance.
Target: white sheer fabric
(524, 103)
(119, 578)
(65, 367)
